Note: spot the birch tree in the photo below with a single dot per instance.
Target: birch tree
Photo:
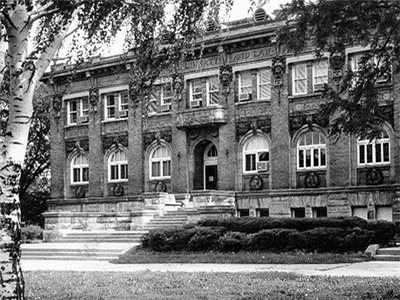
(48, 23)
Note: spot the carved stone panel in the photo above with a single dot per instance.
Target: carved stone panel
(149, 137)
(245, 126)
(79, 145)
(108, 141)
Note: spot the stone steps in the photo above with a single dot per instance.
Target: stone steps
(387, 254)
(104, 237)
(173, 218)
(70, 254)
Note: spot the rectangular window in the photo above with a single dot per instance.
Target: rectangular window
(360, 211)
(73, 112)
(300, 79)
(245, 86)
(213, 90)
(319, 212)
(124, 102)
(196, 93)
(298, 212)
(243, 212)
(111, 106)
(166, 94)
(264, 84)
(152, 104)
(262, 212)
(320, 69)
(384, 213)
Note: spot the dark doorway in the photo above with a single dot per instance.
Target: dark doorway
(211, 177)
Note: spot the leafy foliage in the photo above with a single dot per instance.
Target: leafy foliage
(329, 26)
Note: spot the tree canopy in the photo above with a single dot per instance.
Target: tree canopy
(329, 27)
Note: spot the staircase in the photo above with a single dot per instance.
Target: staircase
(175, 218)
(387, 254)
(84, 245)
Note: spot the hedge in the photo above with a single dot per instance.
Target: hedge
(253, 225)
(346, 237)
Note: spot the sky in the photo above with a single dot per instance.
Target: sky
(240, 10)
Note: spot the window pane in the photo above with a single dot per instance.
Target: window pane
(76, 175)
(250, 162)
(369, 153)
(245, 82)
(386, 157)
(308, 158)
(155, 169)
(114, 172)
(265, 84)
(85, 174)
(301, 158)
(213, 98)
(321, 72)
(378, 153)
(263, 156)
(85, 107)
(124, 171)
(167, 168)
(362, 154)
(316, 157)
(124, 101)
(323, 157)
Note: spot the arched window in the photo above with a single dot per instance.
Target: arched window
(80, 169)
(160, 163)
(375, 152)
(311, 151)
(256, 155)
(118, 166)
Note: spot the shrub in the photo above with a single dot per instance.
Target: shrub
(322, 239)
(206, 238)
(278, 239)
(233, 242)
(168, 239)
(384, 231)
(253, 225)
(31, 233)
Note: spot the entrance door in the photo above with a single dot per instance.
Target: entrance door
(211, 177)
(210, 167)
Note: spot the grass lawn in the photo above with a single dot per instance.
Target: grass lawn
(203, 286)
(138, 255)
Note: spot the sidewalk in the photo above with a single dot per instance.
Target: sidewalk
(363, 269)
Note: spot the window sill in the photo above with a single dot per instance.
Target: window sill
(159, 114)
(76, 125)
(240, 103)
(79, 183)
(311, 170)
(114, 120)
(370, 166)
(304, 96)
(159, 178)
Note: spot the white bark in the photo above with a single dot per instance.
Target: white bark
(24, 77)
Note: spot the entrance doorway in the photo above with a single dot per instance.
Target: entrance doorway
(205, 166)
(210, 167)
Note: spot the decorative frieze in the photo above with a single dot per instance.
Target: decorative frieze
(79, 145)
(243, 127)
(157, 123)
(150, 137)
(76, 132)
(298, 121)
(202, 117)
(251, 110)
(109, 141)
(113, 128)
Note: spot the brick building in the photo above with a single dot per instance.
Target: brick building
(234, 134)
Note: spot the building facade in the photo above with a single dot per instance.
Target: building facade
(235, 133)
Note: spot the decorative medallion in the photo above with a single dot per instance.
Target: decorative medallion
(160, 187)
(158, 136)
(80, 192)
(225, 78)
(374, 176)
(118, 190)
(278, 70)
(312, 180)
(256, 183)
(193, 134)
(57, 104)
(94, 96)
(243, 127)
(336, 62)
